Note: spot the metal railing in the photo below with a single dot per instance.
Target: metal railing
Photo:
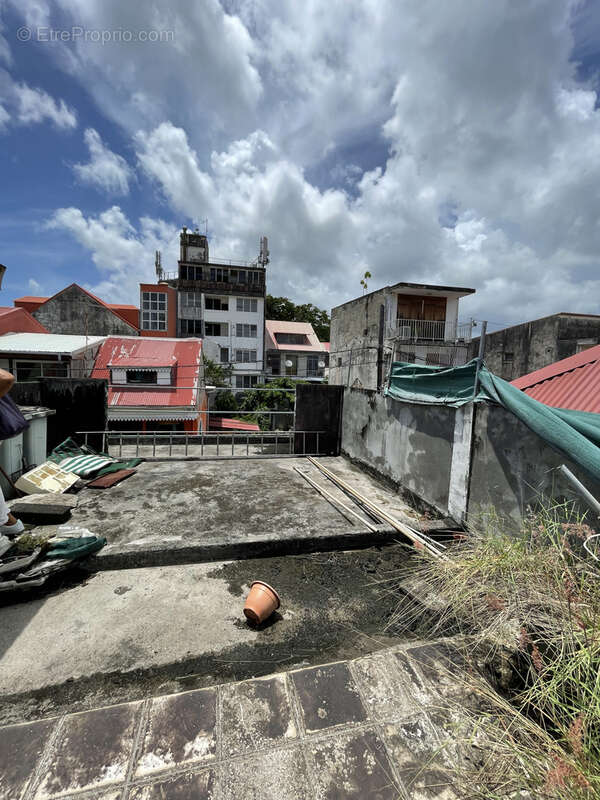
(227, 444)
(413, 330)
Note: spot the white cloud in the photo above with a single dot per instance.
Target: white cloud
(34, 286)
(105, 169)
(479, 105)
(36, 105)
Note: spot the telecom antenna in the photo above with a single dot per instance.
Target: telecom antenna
(158, 265)
(263, 258)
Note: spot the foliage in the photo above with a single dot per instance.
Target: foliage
(225, 401)
(279, 396)
(537, 595)
(364, 279)
(284, 309)
(217, 374)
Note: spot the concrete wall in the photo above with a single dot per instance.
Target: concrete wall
(409, 444)
(520, 349)
(80, 405)
(75, 312)
(354, 339)
(513, 468)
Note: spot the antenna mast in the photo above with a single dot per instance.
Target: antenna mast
(158, 265)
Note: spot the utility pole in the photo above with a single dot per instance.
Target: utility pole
(380, 347)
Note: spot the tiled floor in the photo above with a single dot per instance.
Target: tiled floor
(358, 729)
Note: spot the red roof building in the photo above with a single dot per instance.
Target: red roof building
(573, 382)
(153, 383)
(293, 350)
(18, 320)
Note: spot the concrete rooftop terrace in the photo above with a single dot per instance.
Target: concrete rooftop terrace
(176, 512)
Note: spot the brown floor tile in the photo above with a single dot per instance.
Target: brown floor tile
(181, 730)
(328, 696)
(354, 766)
(276, 775)
(93, 750)
(20, 748)
(256, 714)
(199, 786)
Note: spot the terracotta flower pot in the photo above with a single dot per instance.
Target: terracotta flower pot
(261, 602)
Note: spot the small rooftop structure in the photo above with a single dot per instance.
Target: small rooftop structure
(283, 335)
(572, 383)
(152, 379)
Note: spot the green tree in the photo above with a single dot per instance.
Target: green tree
(280, 396)
(217, 374)
(284, 309)
(364, 279)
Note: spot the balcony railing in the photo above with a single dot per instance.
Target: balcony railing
(426, 330)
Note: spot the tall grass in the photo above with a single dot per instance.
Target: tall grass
(535, 595)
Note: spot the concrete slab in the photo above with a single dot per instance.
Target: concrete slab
(189, 511)
(121, 635)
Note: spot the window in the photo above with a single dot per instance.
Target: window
(312, 365)
(215, 304)
(32, 370)
(154, 311)
(274, 363)
(219, 275)
(583, 344)
(246, 304)
(142, 376)
(191, 299)
(245, 356)
(223, 355)
(291, 338)
(215, 329)
(191, 327)
(245, 331)
(190, 273)
(246, 381)
(508, 357)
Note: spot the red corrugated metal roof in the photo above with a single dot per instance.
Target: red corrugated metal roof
(220, 423)
(184, 356)
(573, 382)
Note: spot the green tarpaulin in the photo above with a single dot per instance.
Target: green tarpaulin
(575, 433)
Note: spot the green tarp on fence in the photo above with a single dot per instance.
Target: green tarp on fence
(575, 433)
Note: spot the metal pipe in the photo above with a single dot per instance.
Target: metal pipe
(337, 504)
(410, 533)
(579, 487)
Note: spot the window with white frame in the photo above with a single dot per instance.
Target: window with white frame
(154, 311)
(191, 299)
(216, 304)
(31, 370)
(245, 331)
(245, 356)
(215, 329)
(247, 304)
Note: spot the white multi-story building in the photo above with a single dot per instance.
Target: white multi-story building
(223, 302)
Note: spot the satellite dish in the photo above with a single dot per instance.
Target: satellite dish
(321, 364)
(288, 363)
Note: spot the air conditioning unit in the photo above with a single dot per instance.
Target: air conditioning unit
(404, 332)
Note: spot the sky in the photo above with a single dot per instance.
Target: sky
(449, 143)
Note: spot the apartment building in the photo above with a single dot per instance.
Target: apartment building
(411, 322)
(221, 302)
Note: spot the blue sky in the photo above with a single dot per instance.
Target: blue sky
(453, 145)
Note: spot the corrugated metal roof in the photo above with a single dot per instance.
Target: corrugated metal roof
(573, 382)
(184, 356)
(46, 343)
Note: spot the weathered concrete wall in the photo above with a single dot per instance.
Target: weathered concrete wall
(512, 467)
(80, 405)
(75, 312)
(516, 351)
(408, 444)
(319, 408)
(354, 339)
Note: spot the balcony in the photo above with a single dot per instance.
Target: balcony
(425, 330)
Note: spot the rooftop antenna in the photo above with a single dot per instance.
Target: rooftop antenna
(158, 265)
(263, 257)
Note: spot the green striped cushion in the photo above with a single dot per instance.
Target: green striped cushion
(85, 464)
